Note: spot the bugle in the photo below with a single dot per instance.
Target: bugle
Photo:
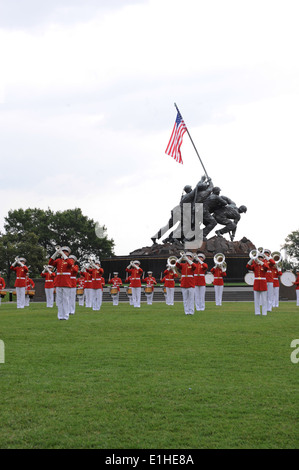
(276, 255)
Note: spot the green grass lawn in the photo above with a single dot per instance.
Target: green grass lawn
(149, 378)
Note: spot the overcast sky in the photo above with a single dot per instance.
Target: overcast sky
(87, 93)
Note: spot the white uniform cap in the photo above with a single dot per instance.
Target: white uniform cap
(189, 253)
(201, 255)
(23, 260)
(73, 257)
(66, 248)
(138, 262)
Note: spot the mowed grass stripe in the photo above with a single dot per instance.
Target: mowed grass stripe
(149, 378)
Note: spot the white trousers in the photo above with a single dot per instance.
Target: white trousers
(97, 296)
(115, 298)
(218, 294)
(20, 291)
(260, 299)
(136, 296)
(73, 300)
(63, 302)
(88, 297)
(149, 298)
(50, 297)
(27, 300)
(270, 295)
(297, 295)
(199, 295)
(81, 300)
(275, 296)
(188, 300)
(169, 298)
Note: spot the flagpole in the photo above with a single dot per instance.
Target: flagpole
(193, 143)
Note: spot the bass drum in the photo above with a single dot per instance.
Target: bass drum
(209, 277)
(249, 278)
(288, 278)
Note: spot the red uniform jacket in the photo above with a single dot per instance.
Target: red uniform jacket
(102, 282)
(297, 282)
(150, 281)
(2, 283)
(80, 283)
(63, 270)
(96, 276)
(260, 280)
(169, 278)
(199, 274)
(187, 274)
(218, 276)
(49, 279)
(29, 283)
(276, 273)
(20, 275)
(116, 282)
(74, 273)
(135, 275)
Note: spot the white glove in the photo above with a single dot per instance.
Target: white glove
(14, 263)
(190, 261)
(55, 255)
(63, 255)
(250, 261)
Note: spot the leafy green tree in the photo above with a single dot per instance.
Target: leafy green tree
(27, 247)
(43, 230)
(292, 248)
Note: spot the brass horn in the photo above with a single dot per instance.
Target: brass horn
(276, 255)
(219, 258)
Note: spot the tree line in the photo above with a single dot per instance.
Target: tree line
(34, 234)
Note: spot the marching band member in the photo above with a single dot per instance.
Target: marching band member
(73, 277)
(187, 270)
(87, 286)
(116, 283)
(129, 280)
(200, 282)
(259, 266)
(296, 283)
(276, 272)
(150, 282)
(63, 264)
(2, 286)
(80, 283)
(96, 284)
(49, 276)
(102, 289)
(29, 286)
(135, 272)
(219, 272)
(169, 284)
(269, 278)
(20, 283)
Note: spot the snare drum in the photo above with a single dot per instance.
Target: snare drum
(288, 278)
(80, 291)
(148, 290)
(14, 292)
(129, 290)
(3, 293)
(249, 278)
(209, 277)
(31, 293)
(113, 290)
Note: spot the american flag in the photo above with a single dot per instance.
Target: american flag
(176, 139)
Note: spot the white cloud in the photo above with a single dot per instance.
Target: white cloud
(87, 111)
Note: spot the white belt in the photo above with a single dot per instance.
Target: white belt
(135, 278)
(49, 280)
(63, 274)
(217, 277)
(198, 274)
(187, 275)
(20, 277)
(275, 278)
(259, 278)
